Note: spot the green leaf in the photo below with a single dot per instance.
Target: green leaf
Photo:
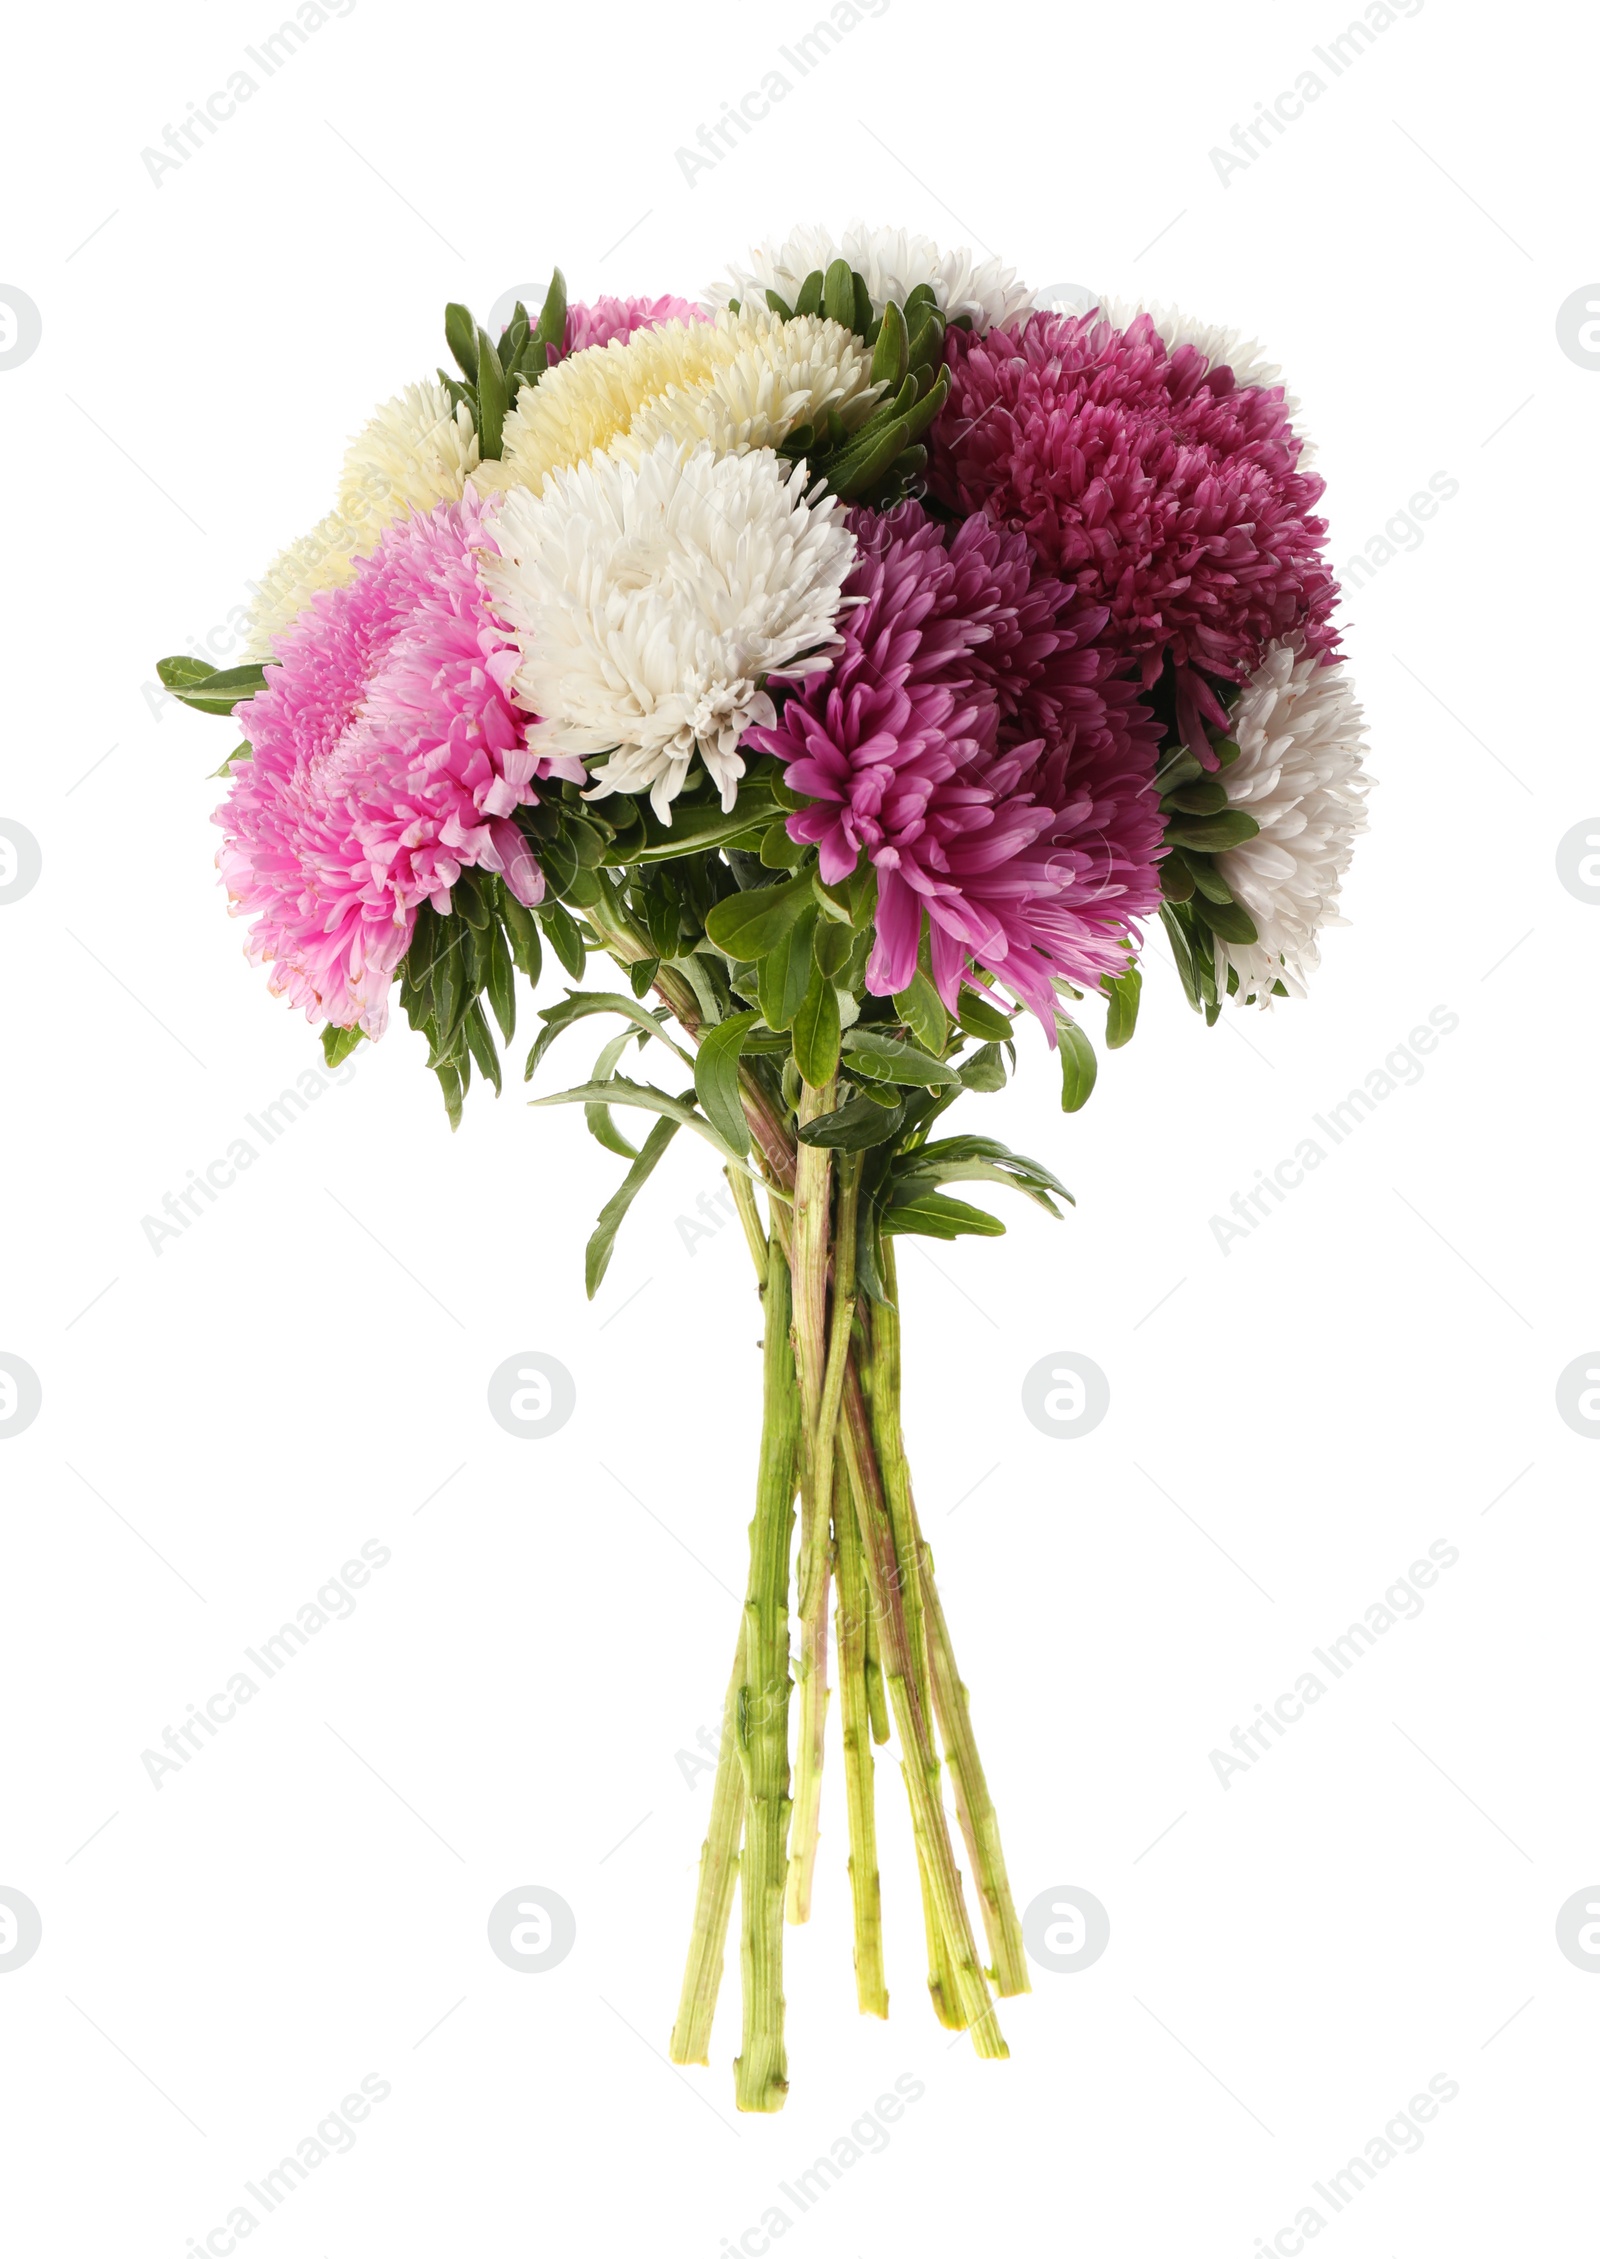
(565, 939)
(240, 754)
(980, 1018)
(809, 300)
(338, 1043)
(891, 357)
(1078, 1064)
(1204, 797)
(984, 1160)
(450, 1082)
(481, 1044)
(597, 1119)
(619, 1091)
(920, 1009)
(784, 312)
(523, 934)
(492, 399)
(1175, 876)
(502, 984)
(449, 992)
(597, 1255)
(985, 1071)
(1183, 958)
(552, 329)
(866, 459)
(697, 828)
(778, 851)
(852, 1127)
(928, 406)
(839, 294)
(830, 947)
(210, 691)
(1122, 1006)
(816, 1032)
(1178, 766)
(461, 335)
(746, 926)
(1207, 878)
(1230, 919)
(467, 901)
(883, 1058)
(1213, 834)
(716, 1077)
(583, 1004)
(783, 975)
(181, 672)
(934, 1215)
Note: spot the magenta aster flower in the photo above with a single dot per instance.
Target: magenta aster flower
(386, 758)
(971, 741)
(606, 318)
(1155, 482)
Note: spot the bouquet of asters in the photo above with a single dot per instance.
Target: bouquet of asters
(856, 660)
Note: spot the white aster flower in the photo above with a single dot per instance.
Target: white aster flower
(891, 263)
(415, 454)
(1301, 738)
(652, 599)
(744, 380)
(1216, 341)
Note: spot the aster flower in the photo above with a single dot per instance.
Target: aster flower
(744, 380)
(651, 602)
(386, 757)
(971, 742)
(606, 318)
(1155, 482)
(1299, 773)
(892, 264)
(415, 453)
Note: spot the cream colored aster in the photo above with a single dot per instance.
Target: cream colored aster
(1301, 738)
(415, 454)
(745, 380)
(1215, 340)
(651, 601)
(891, 263)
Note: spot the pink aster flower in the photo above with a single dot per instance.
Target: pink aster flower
(606, 318)
(1160, 486)
(386, 758)
(970, 739)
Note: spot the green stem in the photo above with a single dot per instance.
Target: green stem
(980, 1824)
(969, 1993)
(744, 1201)
(719, 1871)
(808, 1270)
(881, 1382)
(814, 1545)
(877, 1700)
(762, 1720)
(853, 1617)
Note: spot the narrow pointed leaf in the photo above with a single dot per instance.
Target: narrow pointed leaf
(1079, 1066)
(816, 1032)
(746, 926)
(716, 1077)
(583, 1004)
(597, 1255)
(1122, 1007)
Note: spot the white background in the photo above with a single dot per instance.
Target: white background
(1372, 1370)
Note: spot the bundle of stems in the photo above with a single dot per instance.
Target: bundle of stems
(831, 1433)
